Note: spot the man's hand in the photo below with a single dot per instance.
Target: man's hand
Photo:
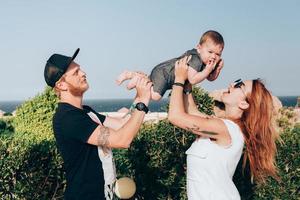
(142, 74)
(143, 89)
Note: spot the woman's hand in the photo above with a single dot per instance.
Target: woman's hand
(181, 69)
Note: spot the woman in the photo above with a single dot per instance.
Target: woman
(214, 155)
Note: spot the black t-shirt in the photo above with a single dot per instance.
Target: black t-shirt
(72, 128)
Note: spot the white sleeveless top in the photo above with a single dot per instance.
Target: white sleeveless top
(210, 167)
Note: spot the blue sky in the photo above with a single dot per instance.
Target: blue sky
(261, 40)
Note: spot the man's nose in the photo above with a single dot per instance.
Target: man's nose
(82, 73)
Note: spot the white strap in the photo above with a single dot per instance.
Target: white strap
(108, 164)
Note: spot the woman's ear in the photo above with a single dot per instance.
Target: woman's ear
(243, 105)
(198, 46)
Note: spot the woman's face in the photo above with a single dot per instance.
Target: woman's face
(238, 92)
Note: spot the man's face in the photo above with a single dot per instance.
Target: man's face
(76, 80)
(209, 51)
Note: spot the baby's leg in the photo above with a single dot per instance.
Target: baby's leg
(155, 95)
(125, 76)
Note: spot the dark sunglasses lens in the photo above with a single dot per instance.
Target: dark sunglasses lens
(238, 84)
(239, 80)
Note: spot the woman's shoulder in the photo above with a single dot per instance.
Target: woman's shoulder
(233, 129)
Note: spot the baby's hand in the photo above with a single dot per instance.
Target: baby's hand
(211, 65)
(215, 73)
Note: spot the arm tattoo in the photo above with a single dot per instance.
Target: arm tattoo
(195, 128)
(102, 138)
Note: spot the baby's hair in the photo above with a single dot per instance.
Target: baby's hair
(216, 37)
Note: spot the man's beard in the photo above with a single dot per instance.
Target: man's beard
(76, 91)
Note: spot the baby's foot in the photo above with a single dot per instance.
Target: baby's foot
(124, 76)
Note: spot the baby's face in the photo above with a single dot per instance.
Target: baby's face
(209, 51)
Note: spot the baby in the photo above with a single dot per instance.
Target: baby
(205, 63)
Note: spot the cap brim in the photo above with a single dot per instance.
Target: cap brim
(75, 54)
(73, 57)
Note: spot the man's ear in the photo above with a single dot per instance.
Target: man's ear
(243, 105)
(61, 85)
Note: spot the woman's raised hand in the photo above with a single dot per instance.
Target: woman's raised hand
(181, 69)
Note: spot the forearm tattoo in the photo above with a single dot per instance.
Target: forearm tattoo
(102, 139)
(195, 128)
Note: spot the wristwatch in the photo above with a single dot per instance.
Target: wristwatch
(187, 92)
(141, 107)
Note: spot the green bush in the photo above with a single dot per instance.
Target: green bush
(288, 161)
(35, 115)
(6, 126)
(156, 158)
(156, 161)
(31, 168)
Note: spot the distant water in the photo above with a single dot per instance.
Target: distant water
(101, 105)
(112, 105)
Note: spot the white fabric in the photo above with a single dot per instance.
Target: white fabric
(210, 167)
(108, 164)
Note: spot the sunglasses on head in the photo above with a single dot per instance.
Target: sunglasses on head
(238, 83)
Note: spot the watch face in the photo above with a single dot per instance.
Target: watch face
(141, 107)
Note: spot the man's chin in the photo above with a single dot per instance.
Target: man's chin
(86, 87)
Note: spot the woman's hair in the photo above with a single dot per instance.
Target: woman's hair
(259, 133)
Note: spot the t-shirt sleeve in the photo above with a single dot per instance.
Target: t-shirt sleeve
(100, 117)
(195, 60)
(78, 125)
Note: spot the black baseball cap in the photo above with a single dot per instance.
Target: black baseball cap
(56, 66)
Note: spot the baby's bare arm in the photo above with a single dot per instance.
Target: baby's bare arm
(195, 77)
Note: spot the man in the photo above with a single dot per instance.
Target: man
(82, 134)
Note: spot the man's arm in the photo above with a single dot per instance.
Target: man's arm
(116, 122)
(120, 134)
(120, 138)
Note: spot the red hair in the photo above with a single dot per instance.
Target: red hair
(260, 134)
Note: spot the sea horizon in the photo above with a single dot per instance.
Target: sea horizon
(114, 104)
